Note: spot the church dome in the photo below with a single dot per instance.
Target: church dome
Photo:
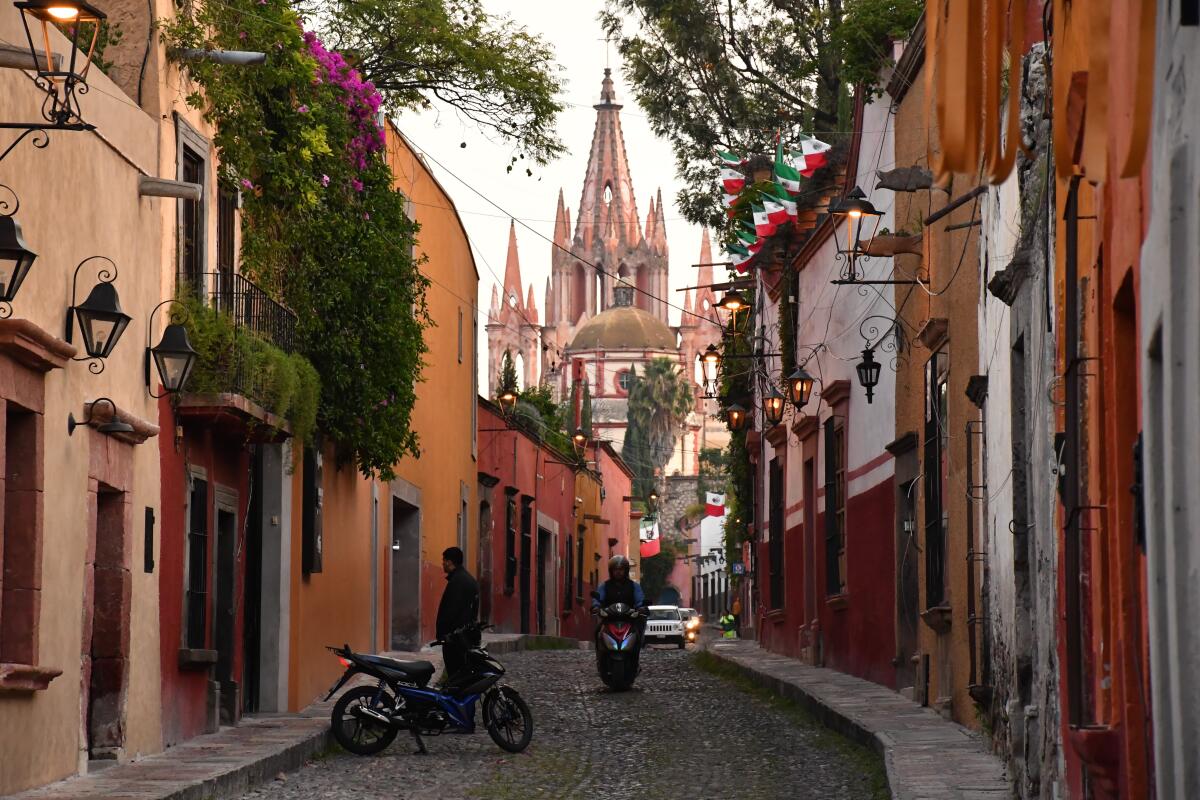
(624, 327)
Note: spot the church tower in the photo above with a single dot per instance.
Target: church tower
(513, 324)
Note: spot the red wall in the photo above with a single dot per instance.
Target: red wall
(227, 463)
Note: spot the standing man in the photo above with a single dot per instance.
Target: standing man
(737, 613)
(459, 607)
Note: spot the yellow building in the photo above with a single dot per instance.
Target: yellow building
(380, 576)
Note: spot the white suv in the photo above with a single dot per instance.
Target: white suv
(665, 626)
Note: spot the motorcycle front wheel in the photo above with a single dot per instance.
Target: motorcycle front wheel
(358, 736)
(508, 719)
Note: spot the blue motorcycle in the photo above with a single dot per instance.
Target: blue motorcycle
(367, 718)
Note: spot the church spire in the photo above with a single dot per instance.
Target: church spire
(512, 269)
(531, 311)
(607, 186)
(706, 272)
(660, 224)
(562, 222)
(650, 220)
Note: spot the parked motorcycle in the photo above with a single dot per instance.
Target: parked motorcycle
(367, 718)
(618, 645)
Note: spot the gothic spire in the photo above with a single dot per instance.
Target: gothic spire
(706, 273)
(562, 222)
(531, 311)
(607, 186)
(651, 218)
(660, 224)
(512, 270)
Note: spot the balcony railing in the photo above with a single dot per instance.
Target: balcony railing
(251, 308)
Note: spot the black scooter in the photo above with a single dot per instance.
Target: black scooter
(366, 719)
(619, 644)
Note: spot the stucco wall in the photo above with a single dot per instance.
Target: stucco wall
(79, 198)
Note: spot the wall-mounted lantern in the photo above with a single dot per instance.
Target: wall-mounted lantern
(735, 417)
(733, 301)
(773, 406)
(173, 356)
(15, 256)
(853, 207)
(579, 441)
(507, 400)
(868, 372)
(101, 320)
(799, 388)
(114, 425)
(61, 82)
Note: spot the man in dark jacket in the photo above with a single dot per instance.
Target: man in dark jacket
(459, 607)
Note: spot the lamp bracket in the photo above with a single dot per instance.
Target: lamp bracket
(182, 318)
(104, 275)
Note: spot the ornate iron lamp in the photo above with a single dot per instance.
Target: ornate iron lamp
(773, 406)
(853, 207)
(868, 372)
(799, 388)
(101, 320)
(62, 83)
(579, 441)
(114, 425)
(15, 257)
(507, 400)
(733, 301)
(173, 356)
(735, 417)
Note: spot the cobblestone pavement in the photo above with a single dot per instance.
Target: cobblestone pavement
(683, 732)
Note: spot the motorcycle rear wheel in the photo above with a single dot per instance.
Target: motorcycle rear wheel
(355, 735)
(509, 720)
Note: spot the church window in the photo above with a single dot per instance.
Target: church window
(624, 380)
(607, 193)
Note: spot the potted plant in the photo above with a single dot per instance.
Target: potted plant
(886, 244)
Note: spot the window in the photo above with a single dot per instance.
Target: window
(196, 567)
(191, 227)
(460, 335)
(671, 614)
(934, 467)
(835, 506)
(775, 551)
(227, 204)
(624, 380)
(510, 541)
(20, 561)
(569, 575)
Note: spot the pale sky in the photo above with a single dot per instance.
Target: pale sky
(571, 26)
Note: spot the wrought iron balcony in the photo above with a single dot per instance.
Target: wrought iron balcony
(251, 308)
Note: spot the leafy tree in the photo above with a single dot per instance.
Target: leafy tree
(585, 410)
(541, 397)
(507, 380)
(487, 68)
(710, 74)
(659, 402)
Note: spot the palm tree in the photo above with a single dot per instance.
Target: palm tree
(659, 402)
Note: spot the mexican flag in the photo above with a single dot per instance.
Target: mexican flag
(776, 212)
(813, 154)
(749, 239)
(780, 195)
(763, 225)
(714, 504)
(650, 542)
(729, 159)
(728, 200)
(786, 175)
(732, 180)
(740, 256)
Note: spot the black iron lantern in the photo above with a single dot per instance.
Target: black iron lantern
(853, 207)
(710, 362)
(799, 388)
(173, 358)
(15, 260)
(733, 301)
(507, 399)
(61, 81)
(101, 320)
(735, 417)
(579, 441)
(114, 424)
(773, 406)
(868, 372)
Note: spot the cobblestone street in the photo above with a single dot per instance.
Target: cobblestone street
(682, 732)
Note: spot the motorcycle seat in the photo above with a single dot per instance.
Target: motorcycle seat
(417, 671)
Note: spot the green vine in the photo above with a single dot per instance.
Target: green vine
(323, 228)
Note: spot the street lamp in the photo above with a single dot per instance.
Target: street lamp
(173, 356)
(732, 302)
(773, 406)
(579, 440)
(61, 84)
(853, 207)
(799, 388)
(710, 361)
(15, 260)
(735, 417)
(508, 401)
(114, 424)
(101, 320)
(868, 372)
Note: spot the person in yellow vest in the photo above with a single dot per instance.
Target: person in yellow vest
(727, 626)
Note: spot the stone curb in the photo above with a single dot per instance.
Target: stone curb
(919, 754)
(219, 765)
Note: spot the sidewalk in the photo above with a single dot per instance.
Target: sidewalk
(233, 760)
(926, 757)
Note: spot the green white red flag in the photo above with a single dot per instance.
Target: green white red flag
(732, 180)
(813, 154)
(739, 256)
(763, 225)
(776, 211)
(786, 175)
(779, 194)
(729, 159)
(749, 239)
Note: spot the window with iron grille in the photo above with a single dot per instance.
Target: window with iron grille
(196, 580)
(835, 507)
(226, 231)
(569, 574)
(510, 542)
(934, 467)
(775, 551)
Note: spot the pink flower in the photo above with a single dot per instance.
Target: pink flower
(242, 35)
(366, 215)
(324, 180)
(303, 109)
(247, 185)
(357, 184)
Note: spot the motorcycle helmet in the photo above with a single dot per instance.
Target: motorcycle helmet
(618, 562)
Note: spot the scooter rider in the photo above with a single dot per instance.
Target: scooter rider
(620, 588)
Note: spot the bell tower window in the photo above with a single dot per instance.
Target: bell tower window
(607, 193)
